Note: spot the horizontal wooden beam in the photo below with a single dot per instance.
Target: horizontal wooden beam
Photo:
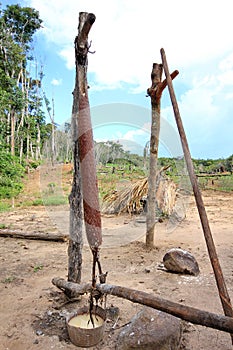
(187, 313)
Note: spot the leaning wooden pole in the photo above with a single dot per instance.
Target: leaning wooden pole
(222, 289)
(187, 313)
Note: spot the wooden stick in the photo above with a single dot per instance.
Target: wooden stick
(187, 313)
(222, 289)
(40, 236)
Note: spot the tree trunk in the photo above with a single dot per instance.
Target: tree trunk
(76, 213)
(8, 130)
(75, 198)
(13, 132)
(187, 313)
(53, 151)
(21, 150)
(38, 153)
(31, 149)
(155, 92)
(28, 141)
(92, 216)
(156, 77)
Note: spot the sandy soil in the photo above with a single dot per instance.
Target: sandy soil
(32, 309)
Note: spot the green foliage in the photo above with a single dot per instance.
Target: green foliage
(229, 163)
(55, 199)
(4, 206)
(23, 21)
(38, 267)
(33, 164)
(108, 152)
(38, 202)
(216, 182)
(8, 279)
(20, 95)
(11, 173)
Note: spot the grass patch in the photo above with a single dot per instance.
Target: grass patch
(37, 202)
(4, 206)
(38, 268)
(222, 183)
(55, 200)
(109, 180)
(8, 279)
(47, 200)
(2, 226)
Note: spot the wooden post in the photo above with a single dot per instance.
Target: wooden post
(92, 215)
(76, 226)
(85, 192)
(187, 313)
(75, 198)
(222, 289)
(155, 93)
(156, 76)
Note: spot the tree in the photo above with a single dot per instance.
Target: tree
(17, 27)
(229, 163)
(11, 173)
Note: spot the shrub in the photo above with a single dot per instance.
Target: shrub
(11, 173)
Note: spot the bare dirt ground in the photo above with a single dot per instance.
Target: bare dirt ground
(32, 309)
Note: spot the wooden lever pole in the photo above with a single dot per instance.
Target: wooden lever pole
(187, 313)
(222, 289)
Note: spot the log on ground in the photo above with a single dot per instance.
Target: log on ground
(55, 237)
(187, 313)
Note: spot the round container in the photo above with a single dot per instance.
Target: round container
(86, 337)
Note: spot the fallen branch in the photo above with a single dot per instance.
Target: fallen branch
(187, 313)
(41, 236)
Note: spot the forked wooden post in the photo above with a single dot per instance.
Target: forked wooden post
(222, 289)
(155, 93)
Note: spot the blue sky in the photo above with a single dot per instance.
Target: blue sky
(127, 37)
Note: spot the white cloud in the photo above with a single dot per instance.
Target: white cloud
(56, 82)
(127, 36)
(226, 63)
(206, 108)
(134, 134)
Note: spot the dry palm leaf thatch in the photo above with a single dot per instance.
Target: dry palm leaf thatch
(130, 199)
(125, 200)
(166, 195)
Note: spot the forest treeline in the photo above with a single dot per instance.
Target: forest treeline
(23, 129)
(25, 138)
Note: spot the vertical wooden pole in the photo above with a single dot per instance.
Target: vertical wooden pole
(222, 289)
(91, 208)
(75, 198)
(156, 76)
(155, 93)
